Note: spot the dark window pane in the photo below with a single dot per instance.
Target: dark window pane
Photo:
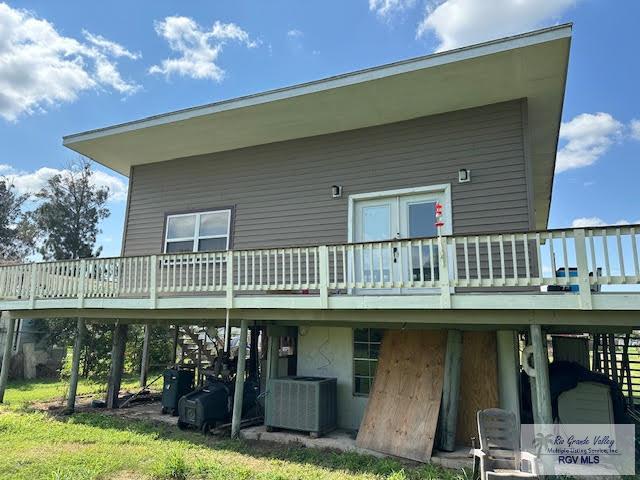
(212, 244)
(362, 385)
(422, 219)
(366, 345)
(360, 350)
(361, 367)
(376, 334)
(361, 335)
(179, 247)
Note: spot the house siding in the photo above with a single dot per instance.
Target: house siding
(281, 192)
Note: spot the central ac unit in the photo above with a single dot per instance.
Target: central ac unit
(308, 404)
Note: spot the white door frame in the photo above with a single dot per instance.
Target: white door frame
(447, 229)
(444, 188)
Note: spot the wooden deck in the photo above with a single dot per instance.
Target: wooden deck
(571, 269)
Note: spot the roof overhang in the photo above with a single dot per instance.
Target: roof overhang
(531, 66)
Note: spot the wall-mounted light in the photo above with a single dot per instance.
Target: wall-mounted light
(464, 175)
(336, 191)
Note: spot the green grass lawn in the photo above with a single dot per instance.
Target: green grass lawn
(20, 394)
(38, 445)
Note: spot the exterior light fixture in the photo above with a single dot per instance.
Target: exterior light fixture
(336, 191)
(464, 175)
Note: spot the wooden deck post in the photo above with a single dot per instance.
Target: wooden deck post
(144, 364)
(240, 373)
(6, 357)
(174, 351)
(542, 402)
(448, 418)
(273, 345)
(253, 348)
(75, 367)
(227, 332)
(509, 371)
(117, 364)
(323, 259)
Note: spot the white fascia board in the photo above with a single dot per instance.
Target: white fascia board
(375, 73)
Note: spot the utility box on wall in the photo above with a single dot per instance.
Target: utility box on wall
(308, 404)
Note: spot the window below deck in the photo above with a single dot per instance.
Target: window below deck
(366, 349)
(198, 232)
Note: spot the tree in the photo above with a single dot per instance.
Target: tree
(17, 235)
(68, 215)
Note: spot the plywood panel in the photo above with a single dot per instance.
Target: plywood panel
(479, 382)
(402, 412)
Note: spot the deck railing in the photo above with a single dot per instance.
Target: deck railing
(582, 260)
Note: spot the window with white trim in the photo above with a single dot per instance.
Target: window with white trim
(198, 232)
(366, 349)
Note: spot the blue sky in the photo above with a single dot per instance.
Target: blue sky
(71, 66)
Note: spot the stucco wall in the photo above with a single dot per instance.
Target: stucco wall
(327, 352)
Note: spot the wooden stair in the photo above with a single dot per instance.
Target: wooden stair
(199, 344)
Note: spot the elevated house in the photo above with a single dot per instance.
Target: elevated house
(391, 222)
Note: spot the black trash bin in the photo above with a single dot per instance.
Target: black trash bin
(178, 382)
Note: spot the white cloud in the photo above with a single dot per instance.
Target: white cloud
(587, 222)
(634, 128)
(464, 22)
(110, 47)
(588, 136)
(39, 67)
(386, 8)
(295, 33)
(32, 182)
(584, 222)
(198, 49)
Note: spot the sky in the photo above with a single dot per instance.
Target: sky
(70, 66)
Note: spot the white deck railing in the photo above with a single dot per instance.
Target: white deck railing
(585, 258)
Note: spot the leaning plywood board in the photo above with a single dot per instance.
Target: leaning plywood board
(478, 382)
(402, 412)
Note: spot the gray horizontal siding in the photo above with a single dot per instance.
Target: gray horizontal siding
(281, 191)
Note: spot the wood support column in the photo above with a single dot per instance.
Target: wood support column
(117, 364)
(174, 352)
(253, 349)
(75, 366)
(6, 356)
(508, 371)
(451, 391)
(227, 332)
(542, 403)
(144, 363)
(273, 345)
(240, 374)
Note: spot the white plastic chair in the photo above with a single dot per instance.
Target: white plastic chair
(500, 455)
